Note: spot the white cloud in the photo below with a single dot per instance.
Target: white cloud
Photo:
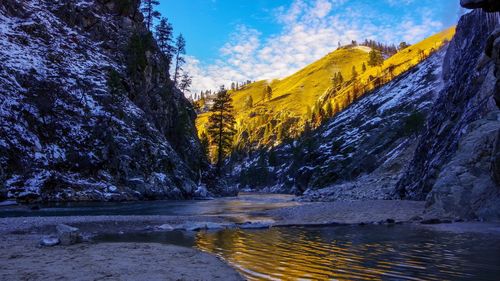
(310, 30)
(399, 2)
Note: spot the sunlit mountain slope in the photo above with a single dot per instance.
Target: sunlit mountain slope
(296, 99)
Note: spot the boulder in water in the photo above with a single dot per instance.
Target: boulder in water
(164, 227)
(256, 225)
(49, 241)
(68, 235)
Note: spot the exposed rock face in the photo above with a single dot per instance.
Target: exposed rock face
(361, 152)
(87, 110)
(486, 5)
(456, 162)
(464, 187)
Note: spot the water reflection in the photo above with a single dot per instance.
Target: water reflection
(360, 253)
(240, 208)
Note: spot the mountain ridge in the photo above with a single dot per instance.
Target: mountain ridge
(269, 122)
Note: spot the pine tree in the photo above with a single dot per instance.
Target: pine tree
(321, 115)
(221, 125)
(329, 110)
(180, 50)
(164, 37)
(185, 83)
(307, 129)
(205, 144)
(318, 114)
(375, 58)
(363, 68)
(421, 54)
(148, 9)
(391, 68)
(269, 92)
(248, 102)
(335, 79)
(354, 74)
(350, 98)
(403, 45)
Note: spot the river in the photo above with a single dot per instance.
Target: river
(369, 252)
(374, 252)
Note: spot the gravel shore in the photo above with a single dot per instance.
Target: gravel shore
(317, 213)
(349, 212)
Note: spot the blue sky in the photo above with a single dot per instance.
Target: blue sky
(236, 40)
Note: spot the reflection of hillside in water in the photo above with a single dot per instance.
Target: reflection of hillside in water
(368, 253)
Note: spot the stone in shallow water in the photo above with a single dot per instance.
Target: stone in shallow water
(192, 226)
(49, 241)
(215, 225)
(68, 235)
(256, 225)
(164, 227)
(195, 226)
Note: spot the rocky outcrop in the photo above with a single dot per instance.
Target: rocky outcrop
(486, 5)
(455, 166)
(87, 108)
(464, 188)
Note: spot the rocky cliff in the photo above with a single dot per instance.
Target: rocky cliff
(432, 134)
(456, 164)
(87, 109)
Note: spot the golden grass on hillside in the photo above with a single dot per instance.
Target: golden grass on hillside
(268, 122)
(392, 67)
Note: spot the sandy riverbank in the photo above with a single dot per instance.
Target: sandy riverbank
(22, 259)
